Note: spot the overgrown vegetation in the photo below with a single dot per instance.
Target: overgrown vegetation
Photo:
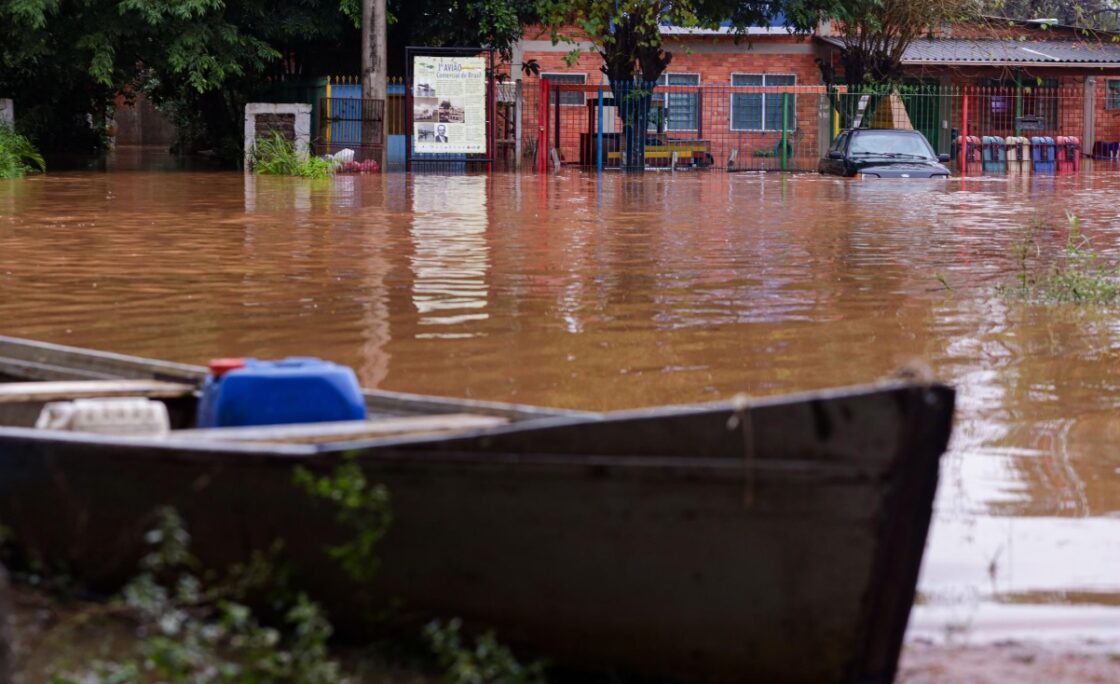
(487, 662)
(17, 155)
(877, 33)
(191, 631)
(186, 626)
(362, 507)
(276, 156)
(1075, 275)
(65, 61)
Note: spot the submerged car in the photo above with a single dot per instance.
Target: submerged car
(883, 153)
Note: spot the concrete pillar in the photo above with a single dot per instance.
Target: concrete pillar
(293, 121)
(7, 112)
(1089, 122)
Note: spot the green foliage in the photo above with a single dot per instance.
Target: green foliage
(189, 632)
(275, 156)
(627, 33)
(64, 61)
(201, 61)
(488, 662)
(17, 155)
(877, 33)
(1075, 276)
(492, 23)
(362, 508)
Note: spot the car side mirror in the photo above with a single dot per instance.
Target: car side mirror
(835, 154)
(942, 157)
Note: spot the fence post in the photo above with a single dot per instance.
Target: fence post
(599, 134)
(964, 132)
(542, 125)
(1018, 102)
(1089, 114)
(327, 114)
(519, 111)
(556, 134)
(785, 131)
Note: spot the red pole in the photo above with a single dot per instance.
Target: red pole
(964, 133)
(492, 115)
(542, 125)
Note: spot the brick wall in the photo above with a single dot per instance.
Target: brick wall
(714, 60)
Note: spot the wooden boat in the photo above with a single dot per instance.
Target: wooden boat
(768, 540)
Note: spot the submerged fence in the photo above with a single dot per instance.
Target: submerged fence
(751, 125)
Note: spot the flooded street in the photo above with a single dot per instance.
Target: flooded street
(620, 292)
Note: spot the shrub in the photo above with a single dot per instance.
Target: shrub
(487, 662)
(1076, 275)
(275, 156)
(190, 631)
(17, 154)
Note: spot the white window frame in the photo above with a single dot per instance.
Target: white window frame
(583, 96)
(1111, 104)
(764, 129)
(666, 76)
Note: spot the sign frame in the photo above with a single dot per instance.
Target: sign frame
(452, 160)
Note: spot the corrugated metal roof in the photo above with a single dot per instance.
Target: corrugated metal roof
(991, 51)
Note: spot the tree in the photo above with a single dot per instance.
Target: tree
(877, 33)
(627, 35)
(66, 60)
(490, 23)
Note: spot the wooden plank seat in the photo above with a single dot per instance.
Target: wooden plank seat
(66, 390)
(345, 431)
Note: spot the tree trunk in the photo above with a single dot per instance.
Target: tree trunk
(632, 97)
(374, 64)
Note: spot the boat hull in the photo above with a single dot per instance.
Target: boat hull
(772, 541)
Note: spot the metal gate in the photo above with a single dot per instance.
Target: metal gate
(351, 123)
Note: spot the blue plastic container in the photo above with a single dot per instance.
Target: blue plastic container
(1043, 150)
(295, 390)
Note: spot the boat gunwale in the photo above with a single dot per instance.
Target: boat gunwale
(212, 443)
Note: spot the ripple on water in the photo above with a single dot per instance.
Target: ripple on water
(630, 291)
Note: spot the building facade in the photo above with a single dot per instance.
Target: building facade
(759, 100)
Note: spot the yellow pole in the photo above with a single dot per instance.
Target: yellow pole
(328, 113)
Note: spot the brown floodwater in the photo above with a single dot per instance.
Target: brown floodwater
(627, 291)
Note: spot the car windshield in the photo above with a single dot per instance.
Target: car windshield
(905, 145)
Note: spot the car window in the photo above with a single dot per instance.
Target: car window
(841, 141)
(903, 144)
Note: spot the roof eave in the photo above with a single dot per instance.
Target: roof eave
(1061, 65)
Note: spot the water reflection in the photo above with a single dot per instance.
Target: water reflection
(450, 260)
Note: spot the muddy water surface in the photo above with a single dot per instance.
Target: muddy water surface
(634, 291)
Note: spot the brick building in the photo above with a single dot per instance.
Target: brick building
(741, 98)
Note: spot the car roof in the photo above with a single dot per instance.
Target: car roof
(879, 131)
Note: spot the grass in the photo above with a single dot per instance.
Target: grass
(1075, 275)
(17, 155)
(275, 156)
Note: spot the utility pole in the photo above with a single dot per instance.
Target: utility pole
(374, 65)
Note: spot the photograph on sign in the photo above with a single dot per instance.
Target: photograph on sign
(449, 105)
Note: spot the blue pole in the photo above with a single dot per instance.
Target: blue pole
(599, 133)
